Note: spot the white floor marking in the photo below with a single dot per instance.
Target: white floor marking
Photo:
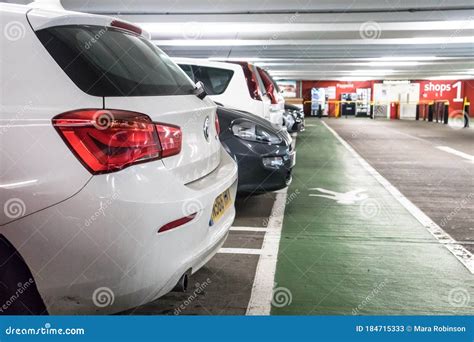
(350, 197)
(262, 289)
(456, 152)
(248, 229)
(462, 254)
(239, 251)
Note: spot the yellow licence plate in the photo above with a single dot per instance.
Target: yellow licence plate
(222, 202)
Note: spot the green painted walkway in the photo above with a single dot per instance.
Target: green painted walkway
(370, 258)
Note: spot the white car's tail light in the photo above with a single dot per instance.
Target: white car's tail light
(218, 125)
(171, 138)
(267, 81)
(110, 140)
(252, 82)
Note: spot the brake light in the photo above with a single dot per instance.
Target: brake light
(170, 139)
(218, 126)
(126, 26)
(252, 83)
(110, 140)
(271, 94)
(268, 83)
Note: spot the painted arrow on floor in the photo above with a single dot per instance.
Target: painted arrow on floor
(350, 197)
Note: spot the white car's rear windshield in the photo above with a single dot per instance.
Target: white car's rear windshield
(215, 80)
(105, 61)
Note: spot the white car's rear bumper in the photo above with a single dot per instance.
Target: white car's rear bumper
(99, 250)
(276, 118)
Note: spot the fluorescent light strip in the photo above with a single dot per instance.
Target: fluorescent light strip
(393, 63)
(276, 42)
(213, 28)
(404, 58)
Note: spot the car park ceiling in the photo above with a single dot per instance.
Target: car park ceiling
(340, 39)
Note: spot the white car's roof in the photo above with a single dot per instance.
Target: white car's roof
(43, 16)
(47, 11)
(205, 62)
(13, 8)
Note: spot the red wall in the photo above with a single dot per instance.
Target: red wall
(451, 90)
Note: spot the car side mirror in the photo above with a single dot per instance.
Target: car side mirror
(200, 91)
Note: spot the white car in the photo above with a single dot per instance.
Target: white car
(273, 92)
(236, 85)
(114, 185)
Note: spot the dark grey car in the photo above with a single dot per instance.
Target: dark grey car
(265, 154)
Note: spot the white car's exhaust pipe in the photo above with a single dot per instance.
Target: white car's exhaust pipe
(182, 284)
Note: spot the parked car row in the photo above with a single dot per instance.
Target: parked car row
(237, 85)
(119, 174)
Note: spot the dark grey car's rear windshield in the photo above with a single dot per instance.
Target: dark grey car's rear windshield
(104, 61)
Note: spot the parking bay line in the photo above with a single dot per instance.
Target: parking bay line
(253, 251)
(462, 254)
(249, 229)
(456, 152)
(262, 288)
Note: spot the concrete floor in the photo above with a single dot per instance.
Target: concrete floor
(406, 154)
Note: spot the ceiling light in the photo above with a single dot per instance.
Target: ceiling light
(194, 40)
(372, 72)
(393, 63)
(405, 58)
(236, 59)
